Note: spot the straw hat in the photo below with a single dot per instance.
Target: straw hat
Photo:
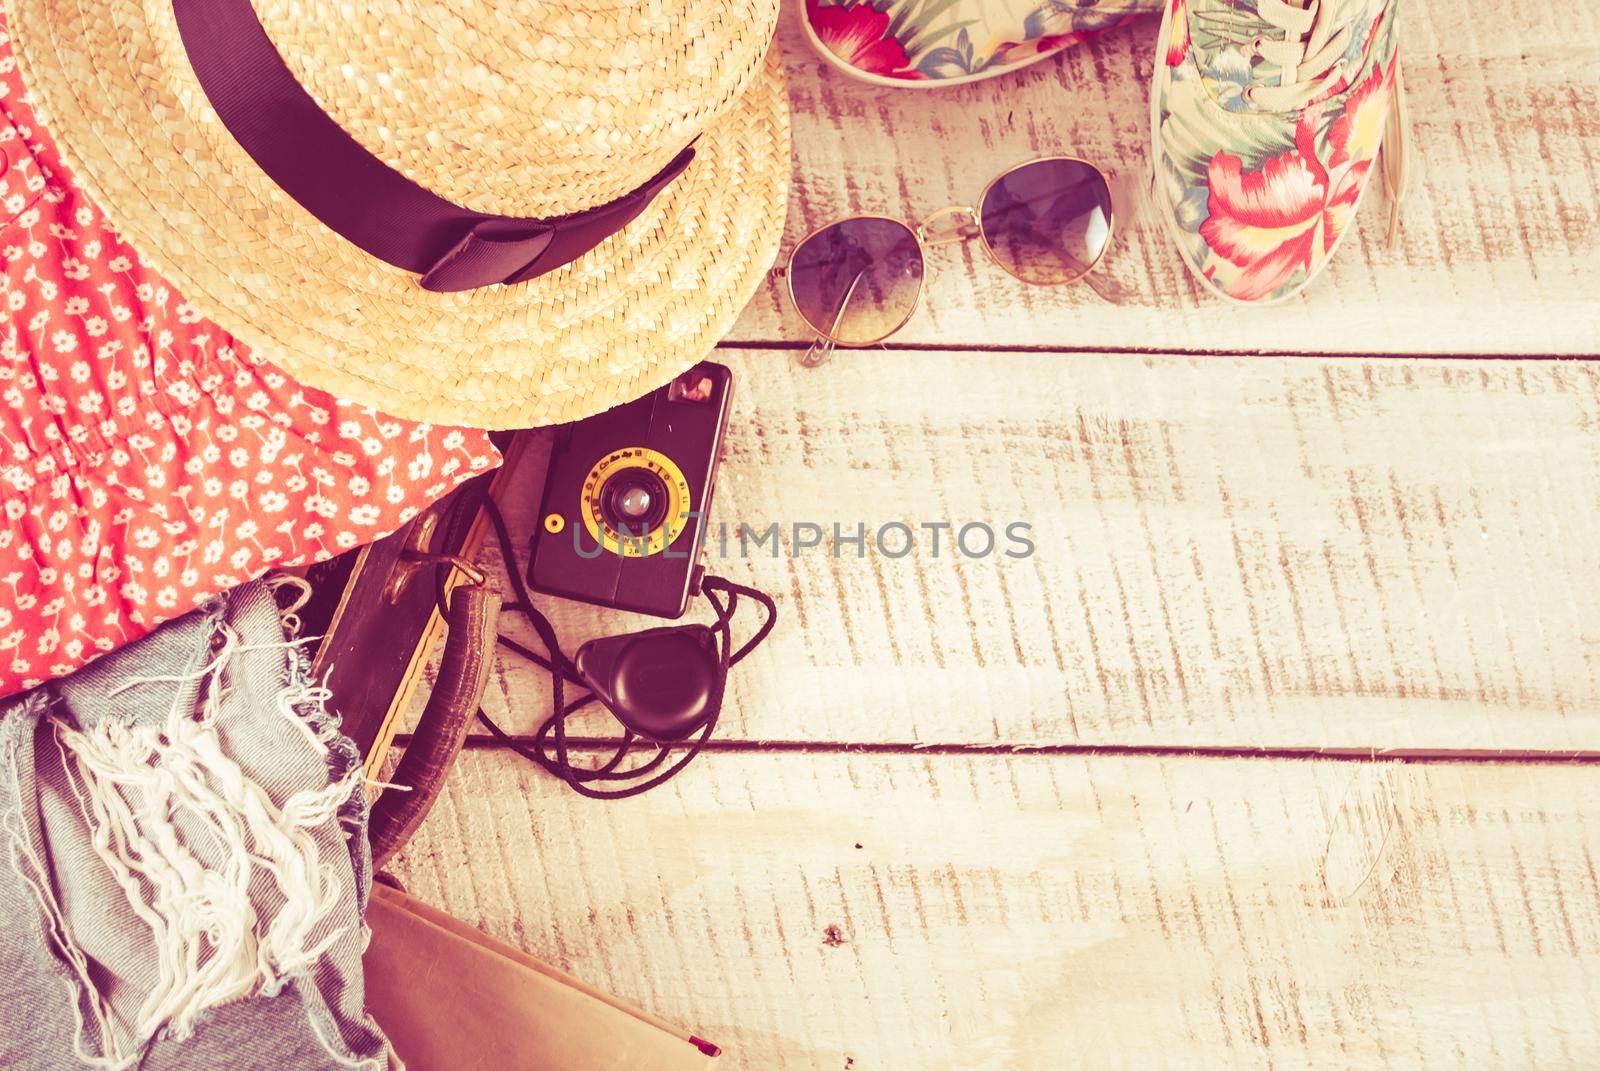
(532, 108)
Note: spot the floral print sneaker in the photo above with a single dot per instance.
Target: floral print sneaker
(1266, 117)
(924, 43)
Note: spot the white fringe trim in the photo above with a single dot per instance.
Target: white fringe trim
(213, 942)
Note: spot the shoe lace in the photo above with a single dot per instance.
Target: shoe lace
(1308, 60)
(1307, 56)
(1396, 155)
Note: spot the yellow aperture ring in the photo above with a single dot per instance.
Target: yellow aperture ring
(633, 544)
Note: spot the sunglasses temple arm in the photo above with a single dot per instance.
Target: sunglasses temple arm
(817, 353)
(822, 348)
(1105, 287)
(1127, 205)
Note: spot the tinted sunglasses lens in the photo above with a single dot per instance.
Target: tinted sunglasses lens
(857, 281)
(1048, 221)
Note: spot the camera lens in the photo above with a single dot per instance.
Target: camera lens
(634, 500)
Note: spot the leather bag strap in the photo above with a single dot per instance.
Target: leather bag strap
(469, 648)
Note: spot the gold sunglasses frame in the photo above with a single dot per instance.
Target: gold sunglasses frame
(965, 232)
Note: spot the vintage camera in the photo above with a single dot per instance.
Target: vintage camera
(626, 498)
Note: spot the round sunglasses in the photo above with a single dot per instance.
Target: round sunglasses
(859, 280)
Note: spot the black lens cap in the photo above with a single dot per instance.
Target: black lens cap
(660, 683)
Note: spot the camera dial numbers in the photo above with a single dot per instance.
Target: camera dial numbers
(635, 502)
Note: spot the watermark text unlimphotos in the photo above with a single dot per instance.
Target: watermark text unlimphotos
(890, 539)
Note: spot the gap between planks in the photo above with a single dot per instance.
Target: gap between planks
(775, 345)
(1463, 756)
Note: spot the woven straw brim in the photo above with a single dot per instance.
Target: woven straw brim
(114, 86)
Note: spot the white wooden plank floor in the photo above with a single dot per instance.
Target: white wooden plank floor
(1050, 911)
(1115, 804)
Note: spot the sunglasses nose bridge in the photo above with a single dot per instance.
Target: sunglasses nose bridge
(955, 223)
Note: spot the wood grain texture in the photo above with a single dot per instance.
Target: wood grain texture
(975, 912)
(1231, 552)
(1501, 244)
(1234, 552)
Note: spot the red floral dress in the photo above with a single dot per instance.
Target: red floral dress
(147, 459)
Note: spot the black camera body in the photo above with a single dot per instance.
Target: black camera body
(627, 495)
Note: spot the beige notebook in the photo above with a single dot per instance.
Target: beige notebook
(452, 999)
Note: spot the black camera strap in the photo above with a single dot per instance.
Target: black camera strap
(610, 779)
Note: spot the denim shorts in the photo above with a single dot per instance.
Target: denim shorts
(186, 865)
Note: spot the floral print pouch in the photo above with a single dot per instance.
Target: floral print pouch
(930, 43)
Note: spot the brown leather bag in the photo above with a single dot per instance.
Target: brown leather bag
(378, 612)
(451, 998)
